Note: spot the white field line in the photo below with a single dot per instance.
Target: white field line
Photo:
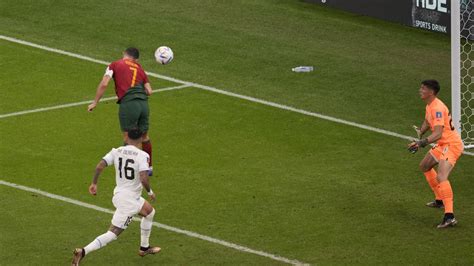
(113, 98)
(159, 225)
(224, 92)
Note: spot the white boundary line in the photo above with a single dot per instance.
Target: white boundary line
(82, 103)
(159, 225)
(231, 94)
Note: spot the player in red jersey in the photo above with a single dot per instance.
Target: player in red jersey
(132, 88)
(445, 153)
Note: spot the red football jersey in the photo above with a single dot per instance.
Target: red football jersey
(126, 74)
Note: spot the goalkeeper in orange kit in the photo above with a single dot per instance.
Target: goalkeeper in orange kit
(447, 150)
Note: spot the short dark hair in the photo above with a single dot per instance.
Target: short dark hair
(133, 52)
(432, 84)
(135, 134)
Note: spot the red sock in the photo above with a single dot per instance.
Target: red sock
(433, 182)
(146, 146)
(446, 193)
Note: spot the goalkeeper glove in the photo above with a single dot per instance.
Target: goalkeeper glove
(416, 144)
(412, 147)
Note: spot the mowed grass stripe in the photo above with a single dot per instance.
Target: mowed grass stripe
(224, 92)
(266, 178)
(159, 225)
(55, 236)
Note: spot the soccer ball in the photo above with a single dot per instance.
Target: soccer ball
(164, 55)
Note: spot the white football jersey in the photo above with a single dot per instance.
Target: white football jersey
(129, 161)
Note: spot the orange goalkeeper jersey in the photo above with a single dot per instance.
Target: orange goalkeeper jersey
(437, 114)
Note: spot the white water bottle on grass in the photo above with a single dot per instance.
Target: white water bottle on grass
(303, 69)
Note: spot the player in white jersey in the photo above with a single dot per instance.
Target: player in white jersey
(131, 168)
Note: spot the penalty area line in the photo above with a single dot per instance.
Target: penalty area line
(156, 224)
(61, 106)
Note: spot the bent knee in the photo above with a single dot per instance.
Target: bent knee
(149, 215)
(152, 213)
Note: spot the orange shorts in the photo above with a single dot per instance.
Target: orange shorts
(447, 152)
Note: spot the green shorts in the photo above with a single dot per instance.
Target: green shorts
(134, 113)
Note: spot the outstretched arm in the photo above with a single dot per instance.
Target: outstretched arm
(100, 92)
(146, 184)
(98, 170)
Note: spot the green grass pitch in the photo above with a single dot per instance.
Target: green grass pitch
(265, 178)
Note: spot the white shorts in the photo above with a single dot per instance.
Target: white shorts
(127, 205)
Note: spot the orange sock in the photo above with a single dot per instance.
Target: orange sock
(446, 194)
(433, 182)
